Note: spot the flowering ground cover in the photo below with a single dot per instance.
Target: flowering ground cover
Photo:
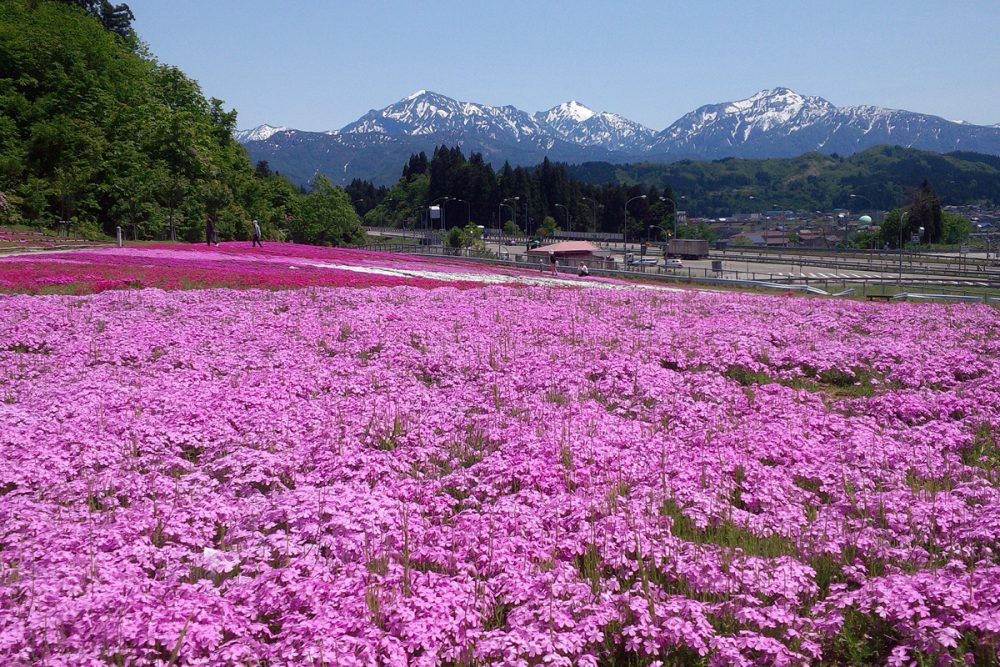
(234, 265)
(510, 476)
(277, 266)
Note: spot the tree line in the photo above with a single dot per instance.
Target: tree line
(591, 197)
(523, 200)
(922, 218)
(879, 178)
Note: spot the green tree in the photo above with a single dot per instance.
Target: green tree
(890, 233)
(925, 211)
(326, 217)
(454, 238)
(417, 166)
(866, 239)
(116, 18)
(510, 229)
(404, 205)
(955, 228)
(548, 227)
(470, 236)
(696, 230)
(170, 192)
(93, 128)
(8, 210)
(262, 169)
(270, 199)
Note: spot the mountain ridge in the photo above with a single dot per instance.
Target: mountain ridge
(776, 122)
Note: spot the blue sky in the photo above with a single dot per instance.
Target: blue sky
(318, 65)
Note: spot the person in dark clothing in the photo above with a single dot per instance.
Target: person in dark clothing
(552, 261)
(210, 231)
(256, 234)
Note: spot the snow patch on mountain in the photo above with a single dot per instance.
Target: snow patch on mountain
(574, 122)
(259, 133)
(571, 111)
(427, 113)
(777, 122)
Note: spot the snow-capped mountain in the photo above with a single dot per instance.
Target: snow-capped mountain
(574, 122)
(783, 123)
(565, 116)
(613, 132)
(259, 133)
(425, 113)
(714, 127)
(771, 123)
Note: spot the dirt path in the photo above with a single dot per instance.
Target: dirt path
(496, 278)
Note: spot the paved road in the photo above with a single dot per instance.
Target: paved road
(757, 270)
(741, 268)
(762, 270)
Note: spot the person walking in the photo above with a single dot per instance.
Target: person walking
(552, 261)
(256, 234)
(210, 230)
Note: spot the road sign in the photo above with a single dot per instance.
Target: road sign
(963, 249)
(914, 238)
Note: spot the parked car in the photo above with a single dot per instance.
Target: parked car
(673, 263)
(632, 260)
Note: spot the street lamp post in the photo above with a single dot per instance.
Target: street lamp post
(442, 200)
(674, 216)
(513, 213)
(857, 196)
(510, 206)
(468, 210)
(565, 208)
(625, 225)
(913, 251)
(902, 218)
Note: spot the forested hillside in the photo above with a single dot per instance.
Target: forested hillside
(883, 177)
(536, 200)
(600, 196)
(96, 131)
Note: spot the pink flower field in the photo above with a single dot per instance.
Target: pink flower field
(277, 266)
(491, 476)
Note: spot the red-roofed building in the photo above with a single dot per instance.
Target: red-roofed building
(570, 250)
